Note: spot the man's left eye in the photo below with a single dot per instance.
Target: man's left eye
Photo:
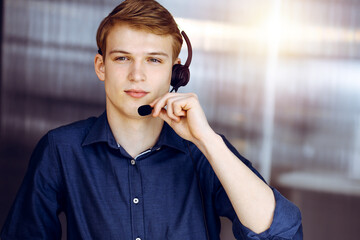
(155, 60)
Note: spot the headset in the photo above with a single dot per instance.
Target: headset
(180, 73)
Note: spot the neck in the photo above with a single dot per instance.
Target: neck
(135, 135)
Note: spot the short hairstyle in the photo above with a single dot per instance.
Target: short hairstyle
(147, 15)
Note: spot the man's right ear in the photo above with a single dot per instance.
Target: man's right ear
(99, 66)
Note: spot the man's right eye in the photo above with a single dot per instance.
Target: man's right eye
(122, 58)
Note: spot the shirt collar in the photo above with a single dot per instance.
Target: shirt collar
(168, 137)
(100, 132)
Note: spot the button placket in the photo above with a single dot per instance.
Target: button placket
(137, 216)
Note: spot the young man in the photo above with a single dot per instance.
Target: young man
(167, 175)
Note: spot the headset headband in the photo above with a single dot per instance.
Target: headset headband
(188, 44)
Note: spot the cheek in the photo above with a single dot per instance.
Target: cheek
(115, 75)
(166, 75)
(114, 83)
(160, 83)
(164, 79)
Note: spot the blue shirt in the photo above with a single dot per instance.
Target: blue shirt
(106, 194)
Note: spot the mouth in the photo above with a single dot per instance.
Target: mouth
(135, 93)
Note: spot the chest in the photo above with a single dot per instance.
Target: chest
(156, 194)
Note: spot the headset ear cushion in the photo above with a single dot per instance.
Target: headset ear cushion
(180, 76)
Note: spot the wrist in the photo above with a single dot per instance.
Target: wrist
(208, 141)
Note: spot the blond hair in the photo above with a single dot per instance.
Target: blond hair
(147, 15)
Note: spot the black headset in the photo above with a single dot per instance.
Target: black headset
(180, 73)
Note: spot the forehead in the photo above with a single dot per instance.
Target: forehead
(134, 40)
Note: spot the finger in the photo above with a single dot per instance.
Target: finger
(152, 104)
(162, 102)
(159, 104)
(169, 112)
(163, 115)
(178, 108)
(173, 107)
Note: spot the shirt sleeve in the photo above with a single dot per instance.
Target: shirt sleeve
(34, 214)
(286, 222)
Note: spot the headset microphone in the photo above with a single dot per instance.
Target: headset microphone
(145, 110)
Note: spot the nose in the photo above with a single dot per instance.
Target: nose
(136, 72)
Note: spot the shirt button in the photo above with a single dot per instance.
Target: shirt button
(136, 200)
(132, 162)
(138, 239)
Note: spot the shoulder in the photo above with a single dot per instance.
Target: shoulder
(72, 133)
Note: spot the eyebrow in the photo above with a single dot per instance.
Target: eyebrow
(159, 53)
(118, 51)
(150, 53)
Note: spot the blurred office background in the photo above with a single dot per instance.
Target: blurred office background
(280, 78)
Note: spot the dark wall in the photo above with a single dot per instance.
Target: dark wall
(1, 40)
(47, 79)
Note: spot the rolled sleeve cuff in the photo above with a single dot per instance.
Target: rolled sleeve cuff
(286, 223)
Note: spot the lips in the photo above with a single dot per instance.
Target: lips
(136, 93)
